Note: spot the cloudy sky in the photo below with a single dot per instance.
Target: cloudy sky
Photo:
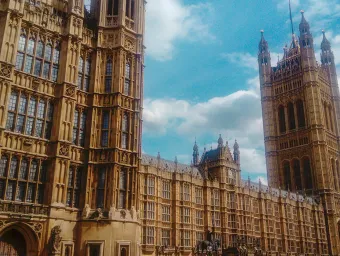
(201, 76)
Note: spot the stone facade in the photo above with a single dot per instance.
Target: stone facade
(73, 180)
(70, 126)
(301, 110)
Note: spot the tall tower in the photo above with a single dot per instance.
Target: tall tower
(71, 83)
(300, 107)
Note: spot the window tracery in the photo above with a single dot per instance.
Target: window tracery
(38, 56)
(105, 129)
(23, 178)
(101, 183)
(84, 72)
(73, 187)
(108, 75)
(125, 131)
(30, 115)
(79, 126)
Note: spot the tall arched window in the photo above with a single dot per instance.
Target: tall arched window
(13, 167)
(297, 174)
(291, 116)
(112, 7)
(127, 82)
(105, 129)
(122, 188)
(331, 123)
(307, 173)
(326, 115)
(300, 113)
(282, 119)
(108, 75)
(335, 175)
(101, 188)
(125, 131)
(286, 175)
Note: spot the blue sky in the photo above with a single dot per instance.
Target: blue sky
(201, 76)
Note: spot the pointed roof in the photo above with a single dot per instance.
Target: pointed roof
(304, 25)
(220, 142)
(263, 45)
(325, 44)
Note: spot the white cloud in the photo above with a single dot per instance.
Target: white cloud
(263, 180)
(171, 20)
(242, 59)
(237, 115)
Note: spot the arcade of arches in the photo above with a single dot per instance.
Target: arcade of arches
(297, 174)
(291, 116)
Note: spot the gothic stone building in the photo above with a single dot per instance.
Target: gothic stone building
(73, 180)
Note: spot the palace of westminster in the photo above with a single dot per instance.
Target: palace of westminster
(73, 180)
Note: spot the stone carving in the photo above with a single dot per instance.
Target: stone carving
(112, 212)
(86, 211)
(64, 149)
(5, 70)
(55, 240)
(133, 213)
(70, 91)
(123, 214)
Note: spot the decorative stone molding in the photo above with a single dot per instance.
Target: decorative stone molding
(55, 240)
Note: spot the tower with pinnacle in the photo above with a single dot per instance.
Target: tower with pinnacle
(300, 107)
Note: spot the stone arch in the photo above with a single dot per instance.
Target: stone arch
(282, 119)
(300, 113)
(30, 237)
(291, 116)
(335, 174)
(286, 174)
(307, 173)
(296, 174)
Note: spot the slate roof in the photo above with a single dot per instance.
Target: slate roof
(169, 165)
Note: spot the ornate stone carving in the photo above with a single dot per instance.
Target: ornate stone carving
(64, 149)
(70, 91)
(122, 214)
(86, 211)
(5, 70)
(55, 240)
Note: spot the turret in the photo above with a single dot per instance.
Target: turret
(195, 154)
(264, 61)
(236, 152)
(327, 56)
(220, 142)
(306, 43)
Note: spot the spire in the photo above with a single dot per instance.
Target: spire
(325, 44)
(304, 25)
(263, 45)
(291, 19)
(236, 152)
(220, 142)
(195, 154)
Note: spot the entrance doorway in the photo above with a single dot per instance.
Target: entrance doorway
(12, 243)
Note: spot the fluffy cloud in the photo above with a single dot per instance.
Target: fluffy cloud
(237, 115)
(171, 20)
(243, 59)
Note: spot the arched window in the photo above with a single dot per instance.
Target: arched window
(13, 167)
(326, 115)
(125, 131)
(282, 119)
(105, 129)
(23, 169)
(331, 118)
(122, 188)
(307, 172)
(108, 75)
(335, 175)
(3, 165)
(101, 187)
(300, 113)
(286, 175)
(127, 79)
(291, 116)
(297, 174)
